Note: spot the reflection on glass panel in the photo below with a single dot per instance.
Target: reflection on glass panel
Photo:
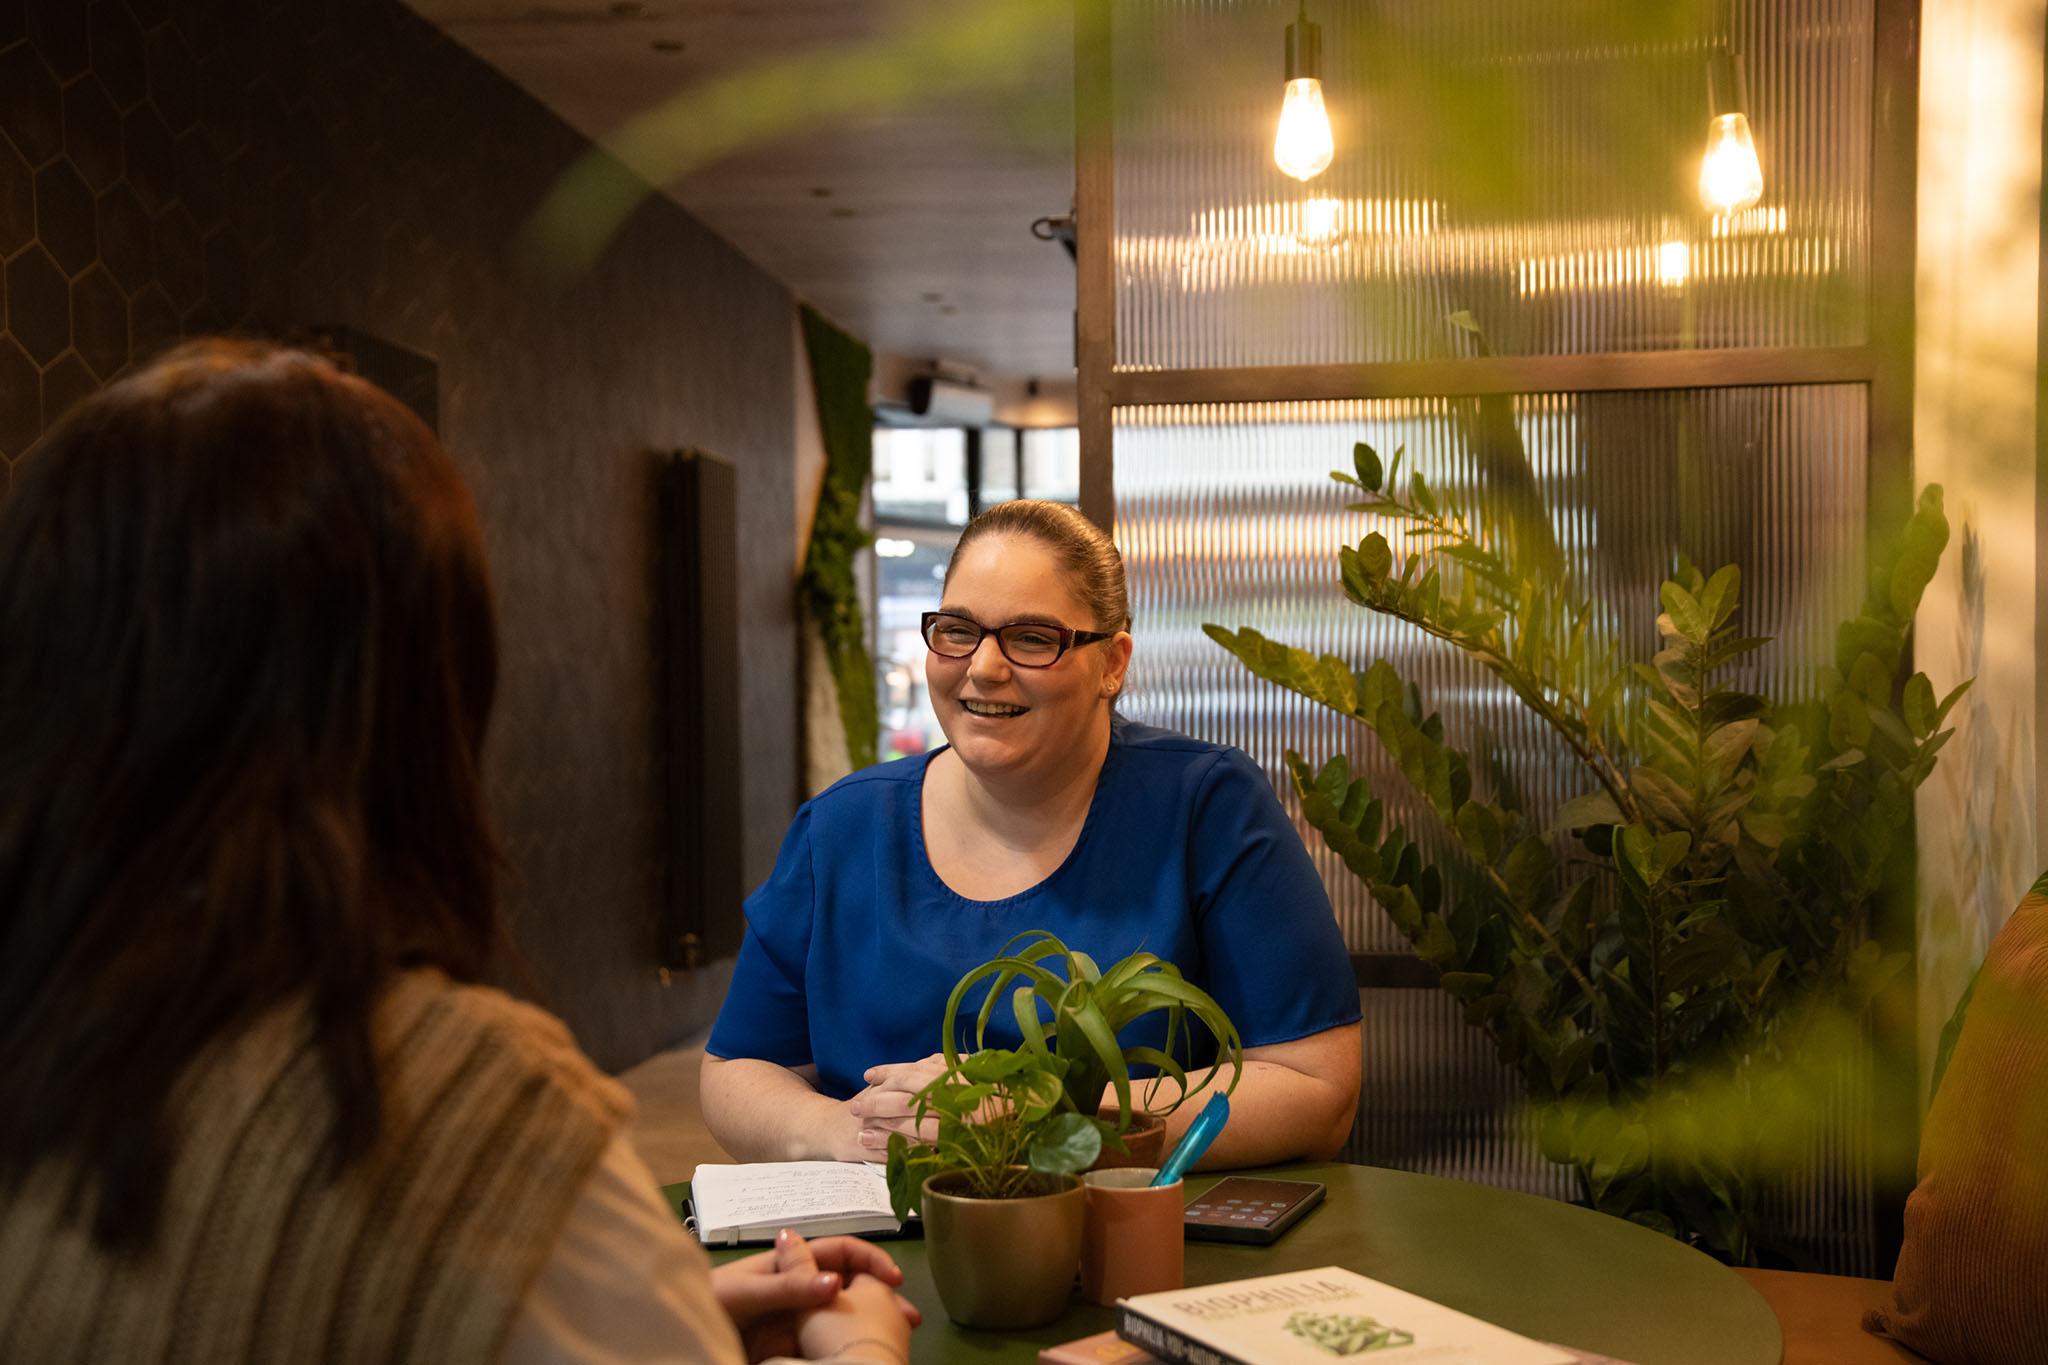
(1534, 165)
(920, 474)
(1051, 464)
(1226, 514)
(910, 566)
(1000, 467)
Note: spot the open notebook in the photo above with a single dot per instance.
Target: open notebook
(751, 1202)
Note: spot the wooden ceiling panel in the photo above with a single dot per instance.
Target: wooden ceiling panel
(909, 226)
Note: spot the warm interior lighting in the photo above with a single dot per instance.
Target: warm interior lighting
(1731, 178)
(1674, 264)
(1303, 146)
(1254, 220)
(1319, 221)
(1751, 222)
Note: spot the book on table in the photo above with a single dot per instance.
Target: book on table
(1306, 1317)
(1099, 1348)
(752, 1201)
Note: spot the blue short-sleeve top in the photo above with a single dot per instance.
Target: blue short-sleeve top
(853, 943)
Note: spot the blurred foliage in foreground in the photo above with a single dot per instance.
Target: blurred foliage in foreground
(1678, 966)
(985, 49)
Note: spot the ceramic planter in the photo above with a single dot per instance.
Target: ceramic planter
(1003, 1264)
(1146, 1141)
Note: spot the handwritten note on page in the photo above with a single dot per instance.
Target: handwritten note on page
(751, 1202)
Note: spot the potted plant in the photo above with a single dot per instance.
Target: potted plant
(1076, 1014)
(1692, 932)
(997, 1187)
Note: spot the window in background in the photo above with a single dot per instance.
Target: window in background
(920, 476)
(1051, 463)
(927, 483)
(910, 563)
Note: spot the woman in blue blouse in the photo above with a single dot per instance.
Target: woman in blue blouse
(1045, 810)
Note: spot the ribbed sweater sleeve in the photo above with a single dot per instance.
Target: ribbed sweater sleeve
(492, 1122)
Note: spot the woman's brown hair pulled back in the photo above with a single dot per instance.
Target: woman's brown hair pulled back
(1093, 565)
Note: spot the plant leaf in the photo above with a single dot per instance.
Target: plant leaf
(1070, 1142)
(1718, 600)
(1367, 461)
(1687, 619)
(1661, 798)
(1418, 489)
(1587, 809)
(1375, 556)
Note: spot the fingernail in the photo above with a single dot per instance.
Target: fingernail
(873, 1137)
(828, 1283)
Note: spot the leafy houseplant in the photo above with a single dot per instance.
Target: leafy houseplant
(997, 1188)
(1002, 1128)
(1074, 1014)
(1672, 933)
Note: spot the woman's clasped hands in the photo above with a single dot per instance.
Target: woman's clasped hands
(889, 1104)
(835, 1297)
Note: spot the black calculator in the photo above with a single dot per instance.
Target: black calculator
(1243, 1208)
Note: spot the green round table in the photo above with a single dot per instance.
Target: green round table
(1546, 1269)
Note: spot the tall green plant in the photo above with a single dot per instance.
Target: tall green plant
(1692, 914)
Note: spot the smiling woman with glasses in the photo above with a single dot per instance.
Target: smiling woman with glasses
(1045, 810)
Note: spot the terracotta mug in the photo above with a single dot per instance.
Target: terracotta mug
(1133, 1239)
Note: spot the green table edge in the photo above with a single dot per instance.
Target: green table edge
(1547, 1269)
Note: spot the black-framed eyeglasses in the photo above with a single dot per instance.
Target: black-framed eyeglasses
(1027, 644)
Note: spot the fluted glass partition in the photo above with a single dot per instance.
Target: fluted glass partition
(1506, 272)
(1227, 514)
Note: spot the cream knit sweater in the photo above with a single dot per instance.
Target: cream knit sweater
(492, 1122)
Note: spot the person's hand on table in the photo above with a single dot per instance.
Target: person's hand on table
(773, 1297)
(865, 1323)
(889, 1104)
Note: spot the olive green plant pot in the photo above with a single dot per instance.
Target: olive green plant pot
(1002, 1264)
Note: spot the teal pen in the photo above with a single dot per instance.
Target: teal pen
(1196, 1140)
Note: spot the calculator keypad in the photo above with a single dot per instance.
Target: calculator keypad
(1250, 1208)
(1251, 1212)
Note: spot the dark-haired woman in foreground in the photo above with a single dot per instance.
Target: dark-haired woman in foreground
(252, 1104)
(1045, 810)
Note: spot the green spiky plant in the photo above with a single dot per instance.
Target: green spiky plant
(1685, 920)
(1067, 1007)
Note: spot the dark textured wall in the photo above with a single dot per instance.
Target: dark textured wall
(171, 168)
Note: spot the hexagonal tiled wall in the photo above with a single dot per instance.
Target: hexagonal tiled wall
(175, 166)
(108, 223)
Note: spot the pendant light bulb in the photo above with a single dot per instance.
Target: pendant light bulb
(1731, 178)
(1303, 146)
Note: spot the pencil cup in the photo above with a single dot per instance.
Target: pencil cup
(1132, 1235)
